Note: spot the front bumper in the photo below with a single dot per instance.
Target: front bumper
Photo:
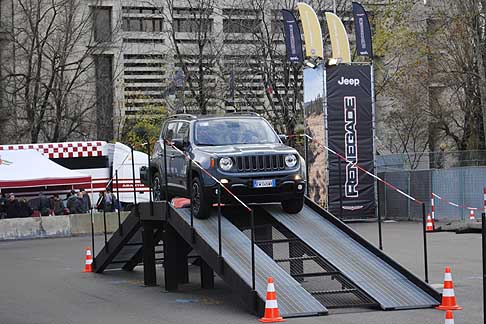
(286, 188)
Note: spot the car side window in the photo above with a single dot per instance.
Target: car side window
(170, 130)
(183, 131)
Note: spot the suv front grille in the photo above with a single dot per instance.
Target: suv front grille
(260, 163)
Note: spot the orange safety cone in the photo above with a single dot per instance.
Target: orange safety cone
(429, 226)
(272, 314)
(471, 215)
(449, 319)
(89, 261)
(448, 297)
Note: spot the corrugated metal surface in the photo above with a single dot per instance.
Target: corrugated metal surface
(236, 247)
(387, 286)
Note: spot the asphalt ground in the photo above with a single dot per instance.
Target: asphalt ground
(41, 282)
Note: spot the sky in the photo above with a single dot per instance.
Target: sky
(313, 83)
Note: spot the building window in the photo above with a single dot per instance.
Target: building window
(148, 25)
(183, 25)
(102, 24)
(141, 10)
(240, 26)
(104, 96)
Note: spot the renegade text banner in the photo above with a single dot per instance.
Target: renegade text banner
(350, 133)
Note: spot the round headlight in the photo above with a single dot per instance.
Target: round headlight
(290, 160)
(225, 163)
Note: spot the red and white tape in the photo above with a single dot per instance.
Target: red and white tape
(452, 203)
(432, 204)
(389, 185)
(188, 158)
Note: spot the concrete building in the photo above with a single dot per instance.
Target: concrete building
(180, 55)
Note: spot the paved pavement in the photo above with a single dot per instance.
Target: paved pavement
(41, 282)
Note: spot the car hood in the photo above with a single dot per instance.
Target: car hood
(248, 149)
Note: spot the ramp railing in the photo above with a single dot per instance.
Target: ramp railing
(220, 189)
(115, 202)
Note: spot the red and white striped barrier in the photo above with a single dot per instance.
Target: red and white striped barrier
(389, 185)
(484, 200)
(432, 204)
(454, 204)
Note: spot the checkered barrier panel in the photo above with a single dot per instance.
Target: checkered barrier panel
(61, 150)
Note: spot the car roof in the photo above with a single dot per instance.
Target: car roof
(209, 117)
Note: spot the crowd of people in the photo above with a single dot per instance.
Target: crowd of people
(76, 202)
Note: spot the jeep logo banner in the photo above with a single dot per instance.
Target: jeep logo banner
(349, 114)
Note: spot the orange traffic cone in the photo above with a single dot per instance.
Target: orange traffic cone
(429, 226)
(89, 260)
(272, 314)
(449, 317)
(471, 215)
(448, 297)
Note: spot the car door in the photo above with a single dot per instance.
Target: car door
(178, 161)
(168, 134)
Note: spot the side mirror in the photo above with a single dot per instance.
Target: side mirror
(282, 137)
(179, 143)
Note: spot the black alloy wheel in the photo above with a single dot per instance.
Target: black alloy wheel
(200, 207)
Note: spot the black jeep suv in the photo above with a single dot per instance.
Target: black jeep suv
(240, 150)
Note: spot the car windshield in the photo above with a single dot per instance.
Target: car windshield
(228, 131)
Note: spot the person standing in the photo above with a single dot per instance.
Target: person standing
(13, 207)
(43, 204)
(100, 204)
(74, 203)
(24, 209)
(3, 206)
(56, 205)
(86, 201)
(109, 201)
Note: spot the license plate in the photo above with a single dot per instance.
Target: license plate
(264, 183)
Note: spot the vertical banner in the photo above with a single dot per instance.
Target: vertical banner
(351, 192)
(339, 38)
(293, 42)
(314, 127)
(312, 31)
(362, 28)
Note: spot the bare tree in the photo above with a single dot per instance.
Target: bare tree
(197, 48)
(48, 77)
(264, 58)
(434, 56)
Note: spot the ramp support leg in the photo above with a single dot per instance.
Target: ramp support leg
(149, 271)
(183, 250)
(207, 275)
(171, 239)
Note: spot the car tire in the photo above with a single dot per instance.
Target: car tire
(158, 192)
(200, 206)
(293, 206)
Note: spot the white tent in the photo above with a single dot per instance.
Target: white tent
(29, 168)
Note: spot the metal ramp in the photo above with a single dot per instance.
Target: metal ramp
(124, 249)
(235, 265)
(322, 280)
(354, 259)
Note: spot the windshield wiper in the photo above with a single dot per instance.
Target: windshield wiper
(206, 144)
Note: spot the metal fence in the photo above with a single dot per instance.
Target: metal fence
(462, 186)
(431, 160)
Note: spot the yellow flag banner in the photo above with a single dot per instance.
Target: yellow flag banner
(339, 38)
(312, 31)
